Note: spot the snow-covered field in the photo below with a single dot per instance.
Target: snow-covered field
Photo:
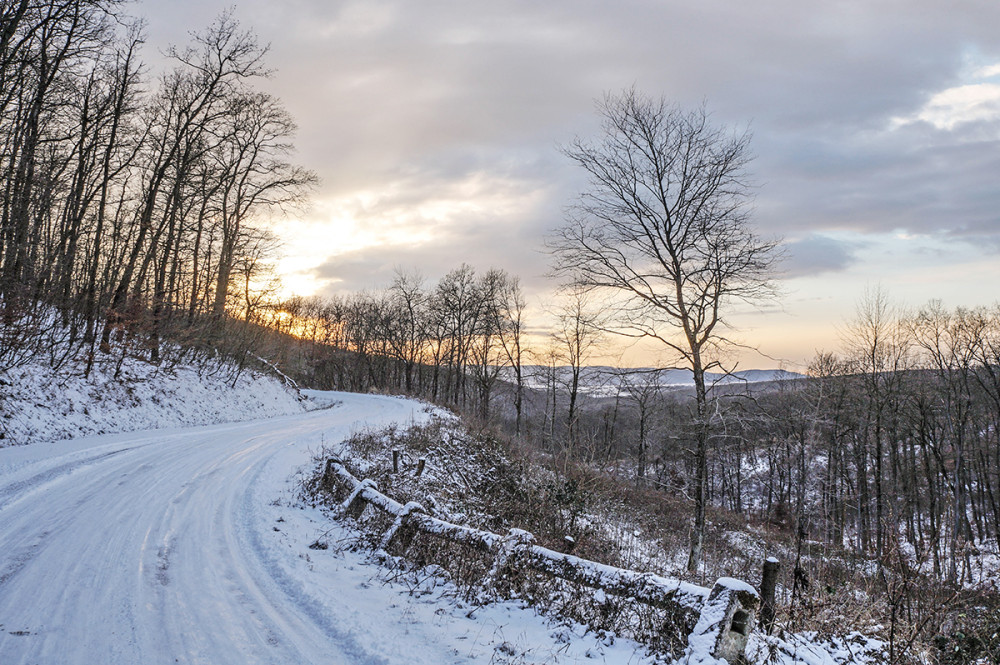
(190, 546)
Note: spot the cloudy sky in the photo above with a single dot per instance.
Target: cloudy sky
(435, 127)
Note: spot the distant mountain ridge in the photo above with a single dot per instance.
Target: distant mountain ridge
(598, 379)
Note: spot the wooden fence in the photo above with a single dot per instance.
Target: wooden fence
(726, 613)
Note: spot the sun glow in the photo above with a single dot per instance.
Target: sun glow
(401, 216)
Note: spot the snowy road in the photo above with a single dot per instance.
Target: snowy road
(186, 546)
(159, 546)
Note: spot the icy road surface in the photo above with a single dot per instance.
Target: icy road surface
(186, 546)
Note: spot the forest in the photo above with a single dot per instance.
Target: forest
(890, 443)
(131, 205)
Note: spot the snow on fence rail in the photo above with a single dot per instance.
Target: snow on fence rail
(726, 613)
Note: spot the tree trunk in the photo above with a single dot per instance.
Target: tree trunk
(701, 466)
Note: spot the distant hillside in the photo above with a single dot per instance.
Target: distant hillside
(600, 381)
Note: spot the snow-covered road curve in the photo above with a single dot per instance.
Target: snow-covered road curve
(168, 546)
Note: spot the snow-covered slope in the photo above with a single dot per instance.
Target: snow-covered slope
(37, 404)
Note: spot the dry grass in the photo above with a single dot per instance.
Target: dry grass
(482, 480)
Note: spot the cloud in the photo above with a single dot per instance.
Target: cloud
(962, 105)
(388, 91)
(373, 267)
(483, 219)
(815, 255)
(435, 125)
(976, 100)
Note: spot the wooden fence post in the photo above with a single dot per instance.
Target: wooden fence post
(354, 505)
(327, 481)
(767, 585)
(725, 623)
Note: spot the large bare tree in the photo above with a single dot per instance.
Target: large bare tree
(664, 225)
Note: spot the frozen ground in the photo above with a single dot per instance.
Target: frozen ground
(188, 546)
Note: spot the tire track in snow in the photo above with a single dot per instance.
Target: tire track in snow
(22, 489)
(156, 548)
(346, 640)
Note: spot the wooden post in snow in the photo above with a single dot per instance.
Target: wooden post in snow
(767, 585)
(725, 623)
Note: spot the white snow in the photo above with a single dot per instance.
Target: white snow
(736, 585)
(811, 649)
(189, 546)
(37, 404)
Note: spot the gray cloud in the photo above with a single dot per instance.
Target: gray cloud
(816, 254)
(373, 267)
(411, 100)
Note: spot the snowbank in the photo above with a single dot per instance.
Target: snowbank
(37, 404)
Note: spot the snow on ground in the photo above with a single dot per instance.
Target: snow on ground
(190, 546)
(37, 404)
(811, 649)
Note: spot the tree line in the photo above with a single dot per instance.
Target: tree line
(452, 342)
(132, 207)
(890, 449)
(890, 445)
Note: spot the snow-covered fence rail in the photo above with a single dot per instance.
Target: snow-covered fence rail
(723, 616)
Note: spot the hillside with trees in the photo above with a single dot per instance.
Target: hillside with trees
(134, 207)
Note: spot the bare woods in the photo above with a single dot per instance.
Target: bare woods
(887, 449)
(131, 205)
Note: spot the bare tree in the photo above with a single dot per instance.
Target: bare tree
(457, 305)
(409, 330)
(877, 347)
(664, 225)
(255, 174)
(259, 281)
(510, 323)
(191, 95)
(949, 341)
(127, 205)
(645, 388)
(577, 335)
